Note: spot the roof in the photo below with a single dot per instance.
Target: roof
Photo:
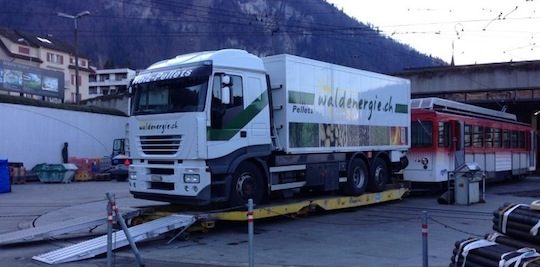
(117, 70)
(38, 40)
(11, 54)
(82, 69)
(232, 58)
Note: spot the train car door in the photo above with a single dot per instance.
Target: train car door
(458, 143)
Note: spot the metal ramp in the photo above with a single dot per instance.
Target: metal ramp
(52, 230)
(96, 246)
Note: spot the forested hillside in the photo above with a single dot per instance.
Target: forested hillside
(136, 33)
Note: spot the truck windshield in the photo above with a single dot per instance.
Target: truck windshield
(185, 94)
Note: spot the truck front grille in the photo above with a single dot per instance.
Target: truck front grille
(160, 144)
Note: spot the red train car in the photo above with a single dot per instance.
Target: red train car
(446, 134)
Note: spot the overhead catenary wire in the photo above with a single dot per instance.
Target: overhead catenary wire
(276, 21)
(246, 21)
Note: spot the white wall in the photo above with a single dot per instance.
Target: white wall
(34, 135)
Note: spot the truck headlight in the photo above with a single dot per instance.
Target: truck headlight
(132, 173)
(191, 178)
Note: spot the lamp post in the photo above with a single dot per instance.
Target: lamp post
(81, 14)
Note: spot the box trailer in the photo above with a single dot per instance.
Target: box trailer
(226, 126)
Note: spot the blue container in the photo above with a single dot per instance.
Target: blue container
(5, 181)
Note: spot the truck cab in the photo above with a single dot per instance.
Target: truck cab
(194, 115)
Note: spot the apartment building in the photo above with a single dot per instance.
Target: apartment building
(110, 82)
(30, 59)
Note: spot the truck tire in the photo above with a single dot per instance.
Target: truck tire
(380, 174)
(246, 183)
(357, 178)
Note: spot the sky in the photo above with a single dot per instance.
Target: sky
(474, 31)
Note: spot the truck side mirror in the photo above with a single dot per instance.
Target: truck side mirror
(226, 80)
(225, 95)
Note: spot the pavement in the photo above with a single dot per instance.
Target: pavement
(385, 234)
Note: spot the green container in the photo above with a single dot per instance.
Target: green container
(41, 170)
(55, 173)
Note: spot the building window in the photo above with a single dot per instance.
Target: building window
(55, 58)
(73, 79)
(92, 78)
(103, 77)
(92, 90)
(120, 76)
(72, 60)
(24, 50)
(83, 62)
(122, 89)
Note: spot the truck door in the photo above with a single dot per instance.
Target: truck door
(226, 116)
(458, 143)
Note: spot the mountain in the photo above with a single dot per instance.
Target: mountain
(137, 33)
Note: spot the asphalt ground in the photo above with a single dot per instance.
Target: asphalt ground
(387, 234)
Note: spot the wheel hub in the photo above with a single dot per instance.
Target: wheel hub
(358, 177)
(244, 186)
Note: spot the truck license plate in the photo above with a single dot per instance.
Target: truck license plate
(156, 178)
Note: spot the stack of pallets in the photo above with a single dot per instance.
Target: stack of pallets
(91, 169)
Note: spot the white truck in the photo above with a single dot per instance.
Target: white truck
(226, 126)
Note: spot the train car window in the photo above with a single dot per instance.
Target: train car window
(444, 134)
(521, 139)
(421, 133)
(478, 136)
(514, 139)
(506, 138)
(489, 136)
(497, 142)
(468, 135)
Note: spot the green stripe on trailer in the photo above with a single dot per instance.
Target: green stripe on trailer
(402, 108)
(240, 121)
(303, 98)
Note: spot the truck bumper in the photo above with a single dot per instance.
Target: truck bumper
(202, 199)
(171, 182)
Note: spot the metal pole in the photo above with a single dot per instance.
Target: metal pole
(109, 233)
(483, 187)
(77, 98)
(424, 239)
(120, 221)
(250, 231)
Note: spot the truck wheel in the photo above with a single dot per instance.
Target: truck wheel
(246, 183)
(357, 178)
(379, 175)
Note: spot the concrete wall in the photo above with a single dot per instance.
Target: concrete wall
(120, 102)
(475, 78)
(34, 135)
(479, 80)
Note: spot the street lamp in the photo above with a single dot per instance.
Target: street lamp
(64, 15)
